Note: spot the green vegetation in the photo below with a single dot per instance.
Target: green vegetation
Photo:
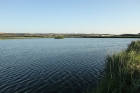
(58, 37)
(122, 72)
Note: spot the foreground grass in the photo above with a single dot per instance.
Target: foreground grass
(122, 72)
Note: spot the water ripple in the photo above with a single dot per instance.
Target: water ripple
(52, 66)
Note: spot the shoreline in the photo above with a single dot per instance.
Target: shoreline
(3, 38)
(64, 35)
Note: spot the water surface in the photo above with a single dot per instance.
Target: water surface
(54, 65)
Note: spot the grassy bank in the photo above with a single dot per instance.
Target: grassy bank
(122, 72)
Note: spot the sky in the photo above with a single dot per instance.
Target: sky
(70, 16)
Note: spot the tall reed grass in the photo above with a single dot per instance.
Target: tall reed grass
(122, 72)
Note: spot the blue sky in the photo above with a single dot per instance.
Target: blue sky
(70, 16)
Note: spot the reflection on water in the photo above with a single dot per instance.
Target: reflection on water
(53, 66)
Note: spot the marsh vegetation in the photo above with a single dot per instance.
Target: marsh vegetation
(122, 71)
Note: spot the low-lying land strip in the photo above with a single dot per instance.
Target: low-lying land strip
(72, 35)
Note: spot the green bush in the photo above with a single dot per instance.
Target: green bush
(134, 46)
(58, 37)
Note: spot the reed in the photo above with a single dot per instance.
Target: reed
(122, 72)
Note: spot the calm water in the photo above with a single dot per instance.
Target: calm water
(53, 65)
